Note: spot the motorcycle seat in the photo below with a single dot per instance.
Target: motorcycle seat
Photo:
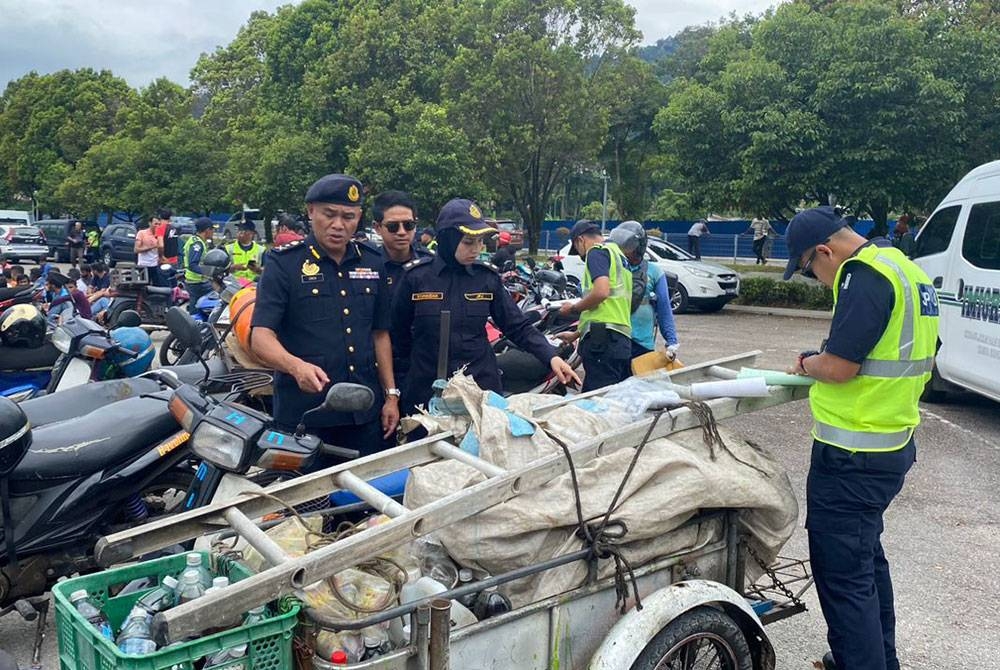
(15, 358)
(6, 293)
(80, 400)
(193, 373)
(95, 441)
(159, 290)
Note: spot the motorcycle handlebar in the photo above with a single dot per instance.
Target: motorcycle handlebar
(339, 452)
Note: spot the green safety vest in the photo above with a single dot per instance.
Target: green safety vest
(189, 276)
(240, 256)
(877, 410)
(432, 245)
(616, 309)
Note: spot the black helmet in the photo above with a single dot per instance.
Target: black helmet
(22, 326)
(630, 236)
(553, 277)
(217, 262)
(15, 435)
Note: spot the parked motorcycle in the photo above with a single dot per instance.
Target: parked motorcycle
(131, 290)
(520, 371)
(210, 308)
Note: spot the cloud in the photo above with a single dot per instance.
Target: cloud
(142, 41)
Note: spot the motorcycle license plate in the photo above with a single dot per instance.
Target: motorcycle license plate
(77, 374)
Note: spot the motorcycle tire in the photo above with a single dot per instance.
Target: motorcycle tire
(171, 351)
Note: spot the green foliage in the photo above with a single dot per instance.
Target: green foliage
(595, 210)
(671, 206)
(768, 292)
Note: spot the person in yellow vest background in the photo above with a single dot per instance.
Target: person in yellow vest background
(605, 327)
(869, 378)
(246, 253)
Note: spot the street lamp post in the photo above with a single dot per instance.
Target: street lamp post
(604, 202)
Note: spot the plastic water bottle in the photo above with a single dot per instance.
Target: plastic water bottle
(190, 587)
(135, 637)
(91, 612)
(338, 658)
(254, 616)
(161, 598)
(227, 655)
(194, 562)
(218, 583)
(424, 587)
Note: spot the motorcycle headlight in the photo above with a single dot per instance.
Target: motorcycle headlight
(218, 446)
(62, 339)
(704, 274)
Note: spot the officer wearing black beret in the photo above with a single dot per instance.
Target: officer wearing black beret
(456, 280)
(322, 316)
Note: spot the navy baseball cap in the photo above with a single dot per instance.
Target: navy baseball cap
(203, 223)
(807, 229)
(464, 215)
(581, 227)
(337, 189)
(248, 225)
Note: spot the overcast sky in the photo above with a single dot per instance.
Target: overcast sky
(141, 40)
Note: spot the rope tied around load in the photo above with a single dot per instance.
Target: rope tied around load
(712, 437)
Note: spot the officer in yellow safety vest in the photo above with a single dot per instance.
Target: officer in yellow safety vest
(245, 253)
(196, 282)
(605, 326)
(869, 378)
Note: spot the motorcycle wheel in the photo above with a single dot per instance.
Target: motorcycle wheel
(171, 351)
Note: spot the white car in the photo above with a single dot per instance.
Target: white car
(703, 285)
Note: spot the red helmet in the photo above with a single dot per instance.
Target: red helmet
(504, 238)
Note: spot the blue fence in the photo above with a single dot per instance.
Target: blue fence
(727, 240)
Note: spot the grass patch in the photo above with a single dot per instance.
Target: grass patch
(746, 267)
(767, 292)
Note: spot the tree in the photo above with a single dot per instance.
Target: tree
(526, 99)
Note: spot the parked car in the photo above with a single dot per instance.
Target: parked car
(16, 216)
(22, 242)
(705, 286)
(118, 244)
(56, 232)
(508, 226)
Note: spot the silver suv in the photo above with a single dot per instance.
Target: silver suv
(22, 242)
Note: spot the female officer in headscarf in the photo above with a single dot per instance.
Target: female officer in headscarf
(455, 280)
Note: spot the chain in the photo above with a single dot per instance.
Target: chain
(778, 584)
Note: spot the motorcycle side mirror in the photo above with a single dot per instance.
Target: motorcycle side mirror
(342, 397)
(184, 328)
(128, 319)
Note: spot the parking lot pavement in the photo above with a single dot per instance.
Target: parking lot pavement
(941, 532)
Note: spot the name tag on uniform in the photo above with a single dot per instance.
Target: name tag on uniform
(310, 279)
(363, 273)
(417, 297)
(479, 296)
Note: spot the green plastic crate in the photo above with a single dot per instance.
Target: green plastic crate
(81, 647)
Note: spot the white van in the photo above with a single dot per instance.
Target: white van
(959, 249)
(15, 217)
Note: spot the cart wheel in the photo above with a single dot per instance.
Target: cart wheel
(700, 639)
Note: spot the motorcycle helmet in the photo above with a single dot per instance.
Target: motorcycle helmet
(22, 326)
(117, 364)
(552, 277)
(216, 261)
(15, 435)
(504, 239)
(630, 236)
(241, 314)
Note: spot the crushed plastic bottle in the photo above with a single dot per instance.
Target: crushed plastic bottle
(190, 587)
(338, 658)
(135, 637)
(194, 562)
(349, 642)
(227, 655)
(425, 587)
(91, 612)
(254, 616)
(161, 598)
(435, 561)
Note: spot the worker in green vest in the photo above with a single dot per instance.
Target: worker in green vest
(246, 252)
(605, 326)
(196, 281)
(869, 378)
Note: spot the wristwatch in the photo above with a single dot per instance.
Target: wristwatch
(395, 392)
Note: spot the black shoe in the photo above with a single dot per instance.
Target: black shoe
(828, 662)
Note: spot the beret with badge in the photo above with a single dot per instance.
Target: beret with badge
(337, 189)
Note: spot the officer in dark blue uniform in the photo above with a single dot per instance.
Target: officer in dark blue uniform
(322, 316)
(455, 280)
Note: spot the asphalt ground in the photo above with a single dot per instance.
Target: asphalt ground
(941, 534)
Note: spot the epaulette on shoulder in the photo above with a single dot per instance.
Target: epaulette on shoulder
(487, 265)
(416, 262)
(287, 247)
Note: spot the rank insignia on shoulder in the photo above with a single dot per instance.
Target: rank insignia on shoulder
(418, 261)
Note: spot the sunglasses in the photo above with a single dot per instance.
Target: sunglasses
(393, 226)
(806, 269)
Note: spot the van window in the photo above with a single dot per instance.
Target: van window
(981, 245)
(935, 235)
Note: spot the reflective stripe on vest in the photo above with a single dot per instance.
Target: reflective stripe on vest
(240, 256)
(616, 310)
(189, 276)
(877, 409)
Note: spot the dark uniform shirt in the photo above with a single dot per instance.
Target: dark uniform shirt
(324, 313)
(865, 301)
(472, 294)
(394, 270)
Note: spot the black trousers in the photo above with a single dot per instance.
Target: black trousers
(605, 362)
(846, 496)
(758, 249)
(694, 246)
